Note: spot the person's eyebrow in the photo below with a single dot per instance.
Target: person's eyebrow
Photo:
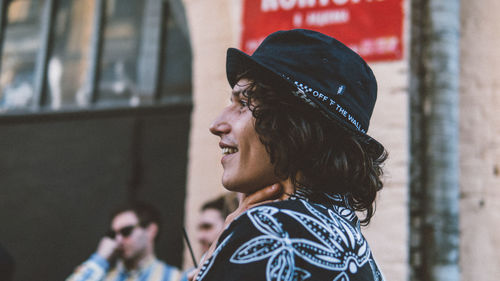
(235, 94)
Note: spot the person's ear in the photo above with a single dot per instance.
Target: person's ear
(152, 230)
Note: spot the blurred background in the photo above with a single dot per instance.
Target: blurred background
(95, 104)
(104, 101)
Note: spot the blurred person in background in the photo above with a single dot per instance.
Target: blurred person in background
(212, 216)
(127, 252)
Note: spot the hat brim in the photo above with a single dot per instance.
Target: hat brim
(238, 62)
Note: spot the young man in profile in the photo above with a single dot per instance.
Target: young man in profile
(294, 142)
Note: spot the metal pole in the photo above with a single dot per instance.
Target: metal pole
(41, 67)
(3, 24)
(151, 50)
(434, 137)
(96, 50)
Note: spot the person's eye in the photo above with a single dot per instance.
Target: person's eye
(243, 103)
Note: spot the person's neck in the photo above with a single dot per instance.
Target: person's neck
(288, 189)
(138, 262)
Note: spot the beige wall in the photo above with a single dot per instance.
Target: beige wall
(387, 233)
(480, 141)
(214, 26)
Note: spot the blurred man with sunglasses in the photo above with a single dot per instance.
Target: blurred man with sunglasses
(127, 251)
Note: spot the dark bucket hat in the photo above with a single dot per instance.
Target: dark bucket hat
(320, 70)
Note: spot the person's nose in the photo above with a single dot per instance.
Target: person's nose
(221, 125)
(119, 238)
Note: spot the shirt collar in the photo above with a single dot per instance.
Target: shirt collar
(141, 268)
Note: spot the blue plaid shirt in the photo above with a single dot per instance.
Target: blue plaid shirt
(97, 268)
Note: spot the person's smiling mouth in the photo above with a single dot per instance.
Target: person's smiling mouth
(229, 150)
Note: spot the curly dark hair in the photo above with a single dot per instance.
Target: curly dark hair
(317, 154)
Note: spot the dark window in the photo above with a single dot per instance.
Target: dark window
(73, 55)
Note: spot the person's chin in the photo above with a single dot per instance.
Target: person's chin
(228, 182)
(239, 187)
(125, 255)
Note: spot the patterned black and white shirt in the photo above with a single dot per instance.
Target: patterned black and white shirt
(293, 240)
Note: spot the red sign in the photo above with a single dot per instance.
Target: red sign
(372, 28)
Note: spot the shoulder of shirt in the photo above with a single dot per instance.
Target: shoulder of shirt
(295, 204)
(279, 206)
(282, 209)
(171, 273)
(287, 204)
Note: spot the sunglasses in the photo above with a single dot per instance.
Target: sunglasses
(124, 231)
